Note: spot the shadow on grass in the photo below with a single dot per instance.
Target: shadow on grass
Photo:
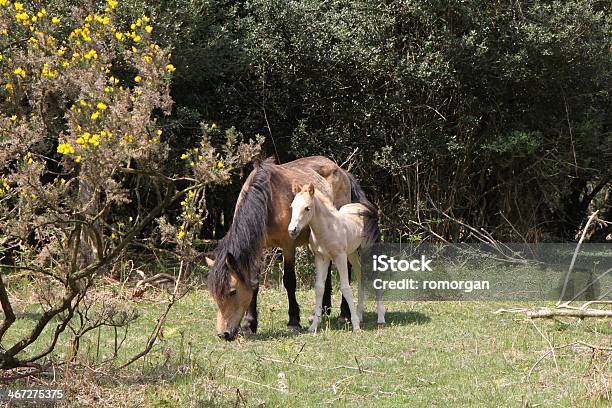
(369, 324)
(30, 316)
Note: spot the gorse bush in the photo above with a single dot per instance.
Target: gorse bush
(80, 99)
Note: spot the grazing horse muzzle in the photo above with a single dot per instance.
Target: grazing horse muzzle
(228, 335)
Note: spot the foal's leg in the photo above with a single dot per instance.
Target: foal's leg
(356, 264)
(345, 311)
(289, 282)
(322, 265)
(345, 287)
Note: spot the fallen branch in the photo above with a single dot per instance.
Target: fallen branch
(546, 313)
(581, 313)
(256, 383)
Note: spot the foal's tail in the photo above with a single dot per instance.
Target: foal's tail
(370, 227)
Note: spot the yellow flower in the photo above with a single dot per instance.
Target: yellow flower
(91, 54)
(65, 148)
(55, 20)
(159, 132)
(170, 68)
(19, 72)
(95, 140)
(18, 6)
(136, 38)
(78, 159)
(184, 156)
(214, 126)
(119, 36)
(95, 115)
(102, 106)
(112, 3)
(220, 165)
(8, 87)
(138, 78)
(14, 118)
(80, 140)
(148, 28)
(23, 18)
(113, 236)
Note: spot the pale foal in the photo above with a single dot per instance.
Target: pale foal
(335, 236)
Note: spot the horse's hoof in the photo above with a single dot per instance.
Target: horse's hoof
(313, 330)
(357, 330)
(382, 325)
(294, 328)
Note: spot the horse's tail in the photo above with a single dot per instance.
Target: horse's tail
(370, 227)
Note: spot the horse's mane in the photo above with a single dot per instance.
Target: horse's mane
(246, 237)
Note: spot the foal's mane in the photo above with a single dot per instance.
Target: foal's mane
(246, 237)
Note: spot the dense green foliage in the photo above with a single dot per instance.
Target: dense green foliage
(496, 113)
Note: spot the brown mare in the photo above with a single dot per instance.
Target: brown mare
(261, 218)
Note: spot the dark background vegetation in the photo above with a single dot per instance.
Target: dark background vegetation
(493, 113)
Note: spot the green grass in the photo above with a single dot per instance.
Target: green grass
(429, 354)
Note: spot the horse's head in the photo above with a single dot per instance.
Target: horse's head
(301, 208)
(232, 292)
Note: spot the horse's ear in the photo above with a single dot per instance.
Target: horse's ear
(310, 189)
(209, 258)
(231, 263)
(209, 261)
(296, 188)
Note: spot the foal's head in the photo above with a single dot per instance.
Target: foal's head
(231, 292)
(301, 208)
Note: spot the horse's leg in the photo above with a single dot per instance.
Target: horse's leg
(345, 311)
(249, 325)
(356, 264)
(345, 288)
(380, 308)
(289, 281)
(327, 300)
(322, 267)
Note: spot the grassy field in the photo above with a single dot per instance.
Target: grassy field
(429, 354)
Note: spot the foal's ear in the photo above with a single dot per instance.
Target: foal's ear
(296, 188)
(310, 188)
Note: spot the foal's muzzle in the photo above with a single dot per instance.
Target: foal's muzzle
(294, 231)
